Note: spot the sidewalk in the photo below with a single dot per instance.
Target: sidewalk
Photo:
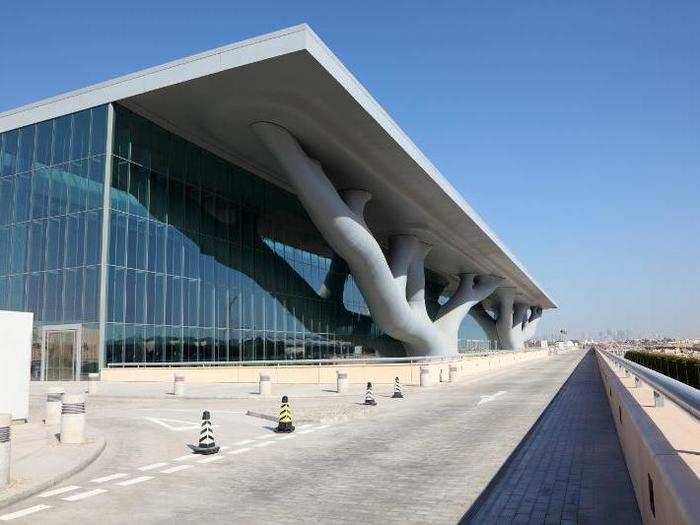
(569, 469)
(40, 461)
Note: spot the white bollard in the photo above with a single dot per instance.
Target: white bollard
(5, 422)
(453, 373)
(179, 385)
(265, 385)
(424, 376)
(93, 381)
(54, 400)
(73, 419)
(341, 382)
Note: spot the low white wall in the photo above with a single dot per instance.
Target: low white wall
(15, 359)
(659, 445)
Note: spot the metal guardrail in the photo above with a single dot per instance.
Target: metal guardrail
(685, 396)
(311, 362)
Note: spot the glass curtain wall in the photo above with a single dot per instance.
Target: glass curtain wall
(51, 187)
(208, 262)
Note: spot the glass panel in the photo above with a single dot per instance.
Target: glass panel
(61, 139)
(26, 148)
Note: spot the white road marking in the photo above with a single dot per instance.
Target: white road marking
(244, 442)
(183, 425)
(322, 427)
(307, 425)
(84, 495)
(225, 447)
(24, 512)
(263, 444)
(288, 436)
(175, 469)
(486, 399)
(185, 458)
(266, 436)
(134, 481)
(152, 466)
(211, 459)
(109, 478)
(239, 451)
(307, 431)
(56, 492)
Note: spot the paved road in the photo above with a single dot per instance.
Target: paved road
(426, 460)
(570, 469)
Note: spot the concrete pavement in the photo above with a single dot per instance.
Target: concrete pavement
(422, 459)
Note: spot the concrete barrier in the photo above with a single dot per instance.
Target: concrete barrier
(179, 385)
(341, 382)
(657, 442)
(5, 448)
(265, 385)
(93, 381)
(54, 401)
(73, 419)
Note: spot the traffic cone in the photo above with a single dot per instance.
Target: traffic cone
(369, 396)
(206, 437)
(397, 389)
(285, 422)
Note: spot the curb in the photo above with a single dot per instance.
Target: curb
(40, 487)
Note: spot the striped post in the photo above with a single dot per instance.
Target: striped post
(341, 382)
(5, 422)
(206, 445)
(73, 419)
(397, 389)
(54, 401)
(369, 396)
(179, 385)
(285, 419)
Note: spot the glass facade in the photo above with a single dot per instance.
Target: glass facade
(51, 191)
(205, 261)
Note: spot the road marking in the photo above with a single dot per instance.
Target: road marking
(56, 492)
(266, 436)
(486, 399)
(84, 495)
(134, 481)
(175, 469)
(109, 478)
(211, 459)
(24, 512)
(322, 427)
(244, 442)
(183, 425)
(307, 431)
(239, 451)
(225, 447)
(289, 436)
(307, 425)
(152, 466)
(263, 444)
(185, 458)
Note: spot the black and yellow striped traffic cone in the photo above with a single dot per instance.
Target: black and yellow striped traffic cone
(397, 389)
(285, 421)
(369, 396)
(206, 437)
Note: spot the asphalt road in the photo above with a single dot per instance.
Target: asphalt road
(419, 460)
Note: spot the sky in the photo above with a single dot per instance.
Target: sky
(573, 128)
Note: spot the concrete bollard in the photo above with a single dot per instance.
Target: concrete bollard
(341, 382)
(5, 422)
(424, 376)
(265, 385)
(73, 419)
(93, 381)
(658, 399)
(54, 400)
(179, 385)
(453, 373)
(637, 382)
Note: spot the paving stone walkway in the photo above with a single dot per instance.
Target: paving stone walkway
(570, 469)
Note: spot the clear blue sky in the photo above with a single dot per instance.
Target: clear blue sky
(572, 127)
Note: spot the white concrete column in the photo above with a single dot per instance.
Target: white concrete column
(73, 419)
(265, 385)
(54, 401)
(93, 381)
(5, 422)
(341, 381)
(179, 385)
(453, 373)
(424, 376)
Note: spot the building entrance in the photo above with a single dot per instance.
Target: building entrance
(61, 353)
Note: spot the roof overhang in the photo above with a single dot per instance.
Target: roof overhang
(290, 77)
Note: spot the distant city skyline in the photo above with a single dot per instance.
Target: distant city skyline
(573, 129)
